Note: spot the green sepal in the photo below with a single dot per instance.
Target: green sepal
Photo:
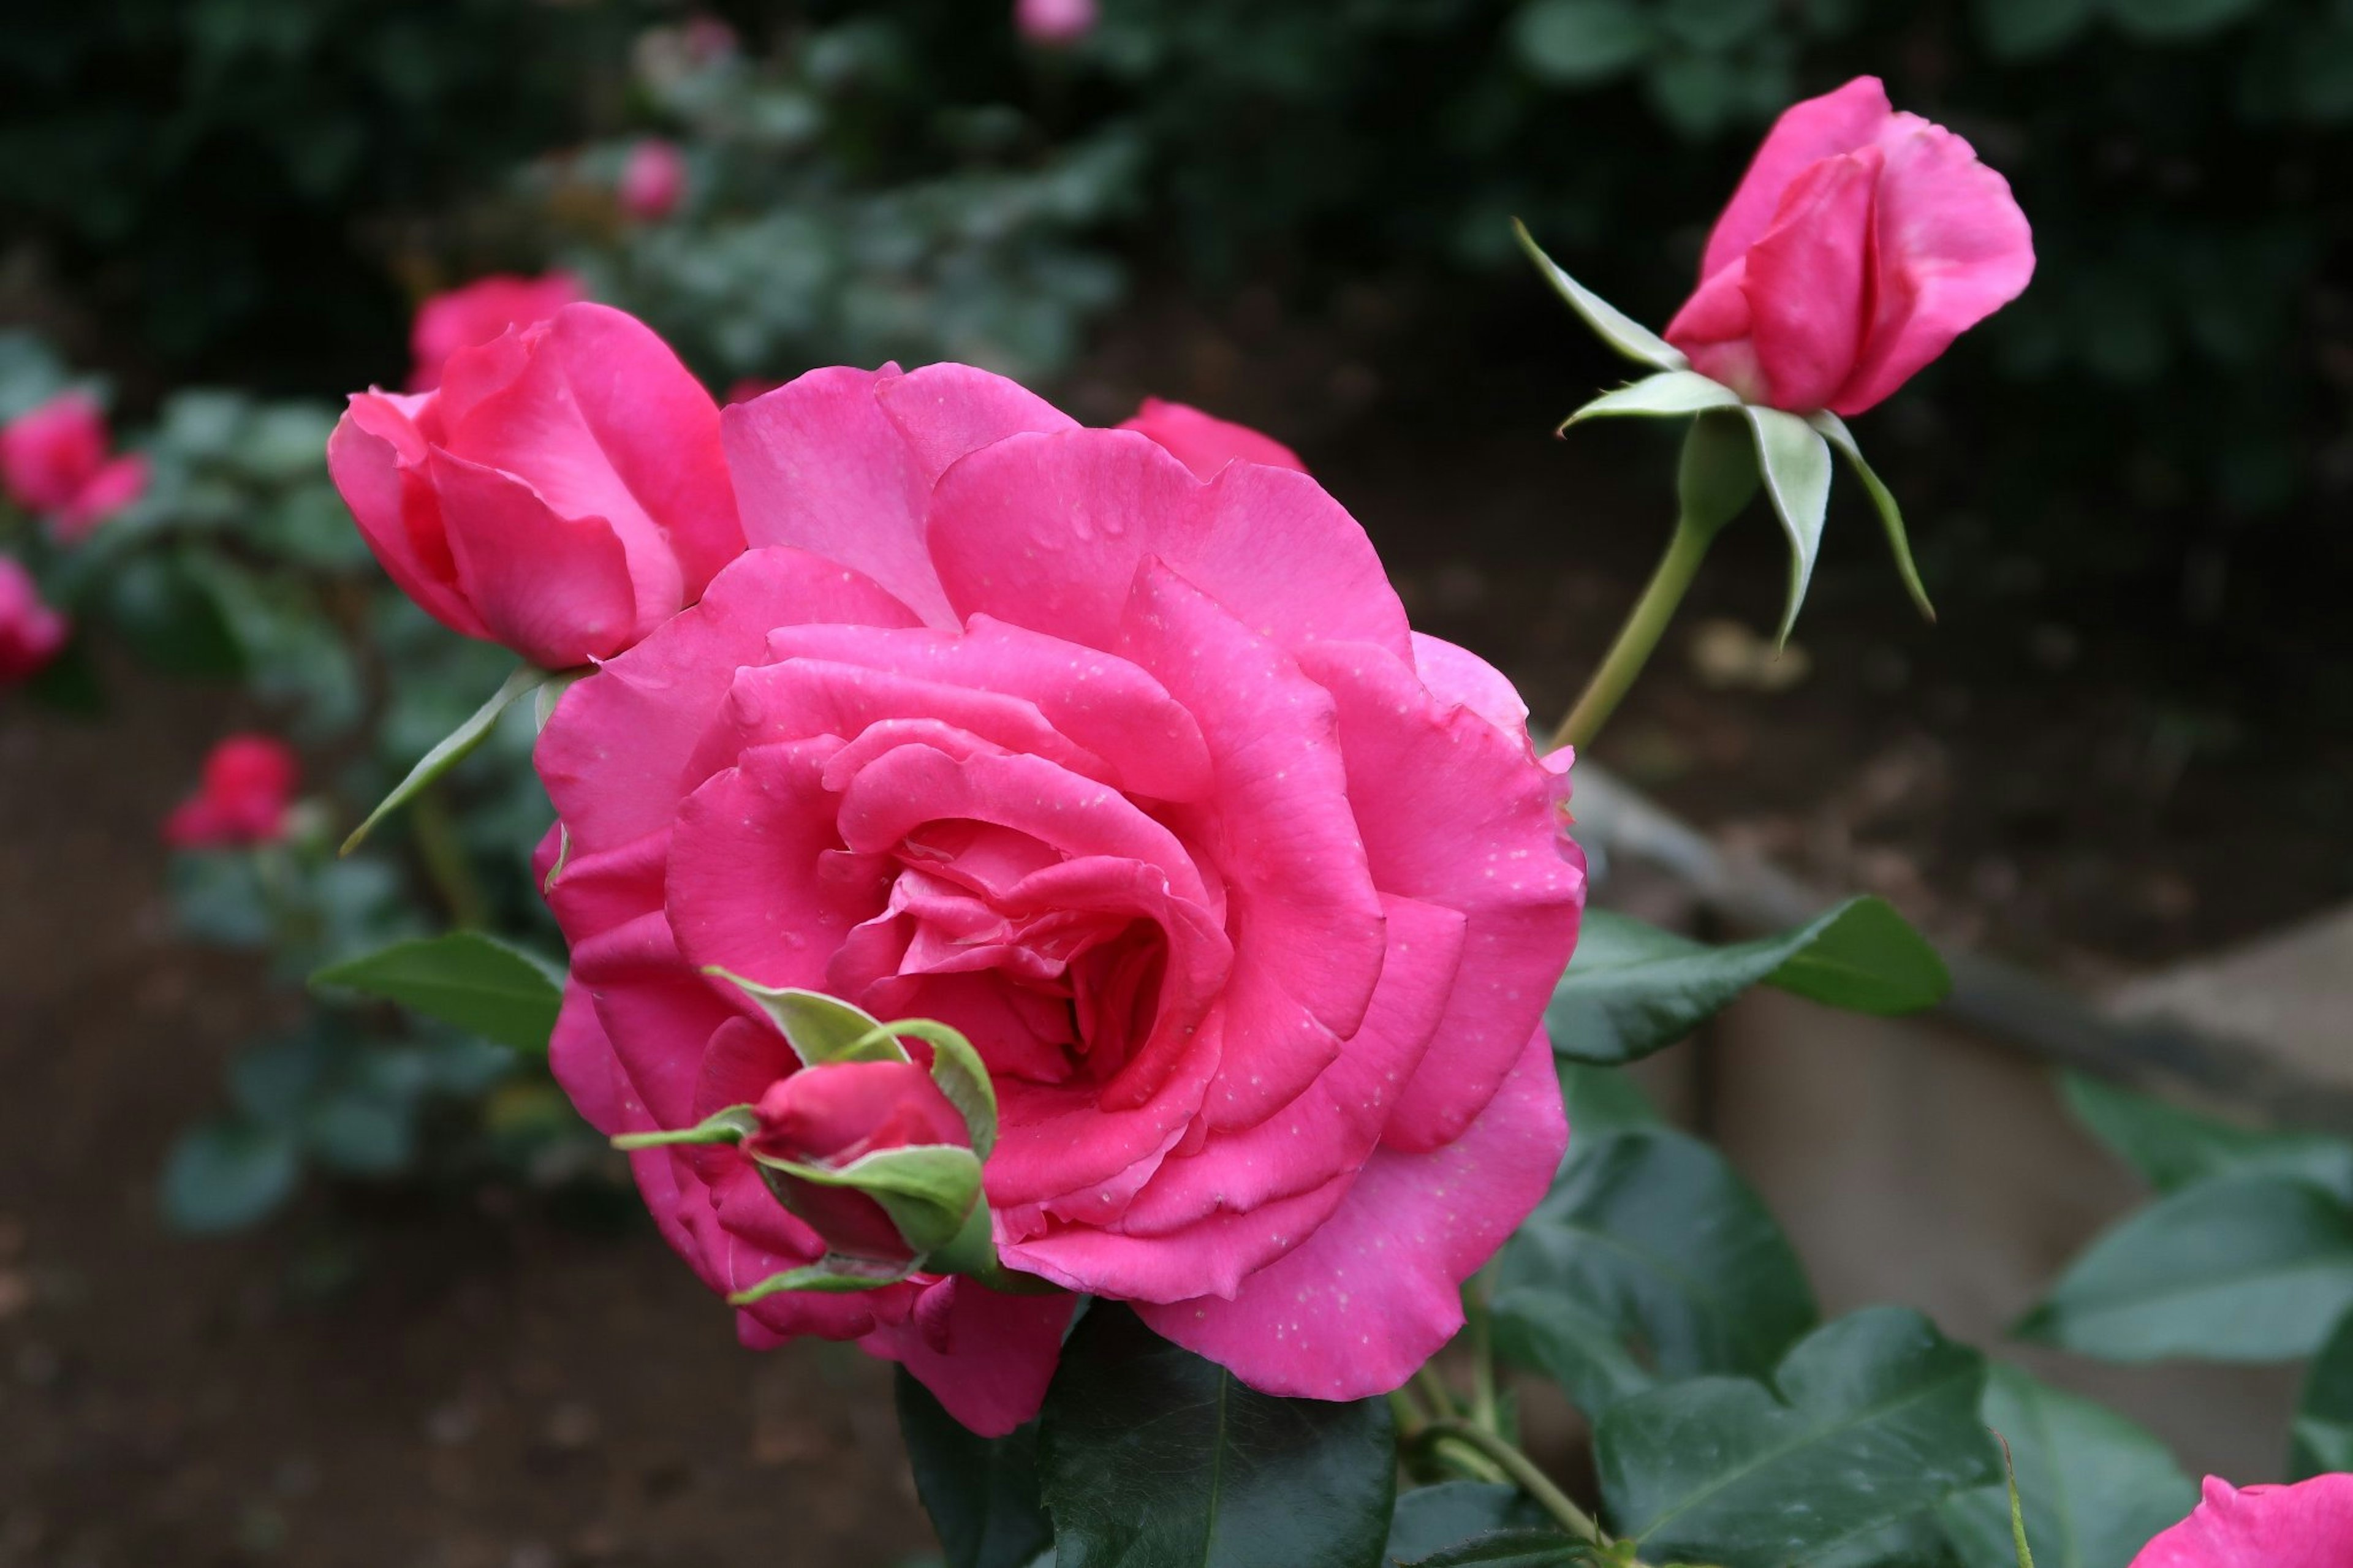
(731, 1125)
(551, 692)
(961, 1074)
(821, 1029)
(454, 748)
(835, 1273)
(1616, 329)
(1795, 461)
(1891, 516)
(929, 1190)
(1670, 394)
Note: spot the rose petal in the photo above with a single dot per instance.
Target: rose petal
(1806, 134)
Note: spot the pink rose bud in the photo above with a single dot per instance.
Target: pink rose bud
(248, 781)
(53, 460)
(1861, 244)
(2308, 1525)
(1053, 22)
(653, 181)
(1204, 443)
(479, 312)
(30, 632)
(561, 492)
(832, 1115)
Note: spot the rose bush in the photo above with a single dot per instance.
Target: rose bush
(561, 491)
(1861, 244)
(2308, 1525)
(1249, 897)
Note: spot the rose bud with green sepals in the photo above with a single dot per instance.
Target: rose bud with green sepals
(828, 1119)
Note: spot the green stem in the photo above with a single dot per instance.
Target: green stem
(1640, 636)
(1525, 1475)
(1410, 1420)
(446, 865)
(1433, 1388)
(1467, 1461)
(1483, 1407)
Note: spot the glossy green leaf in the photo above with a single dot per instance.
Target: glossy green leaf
(2322, 1439)
(453, 749)
(480, 984)
(1429, 1520)
(1579, 42)
(2173, 1148)
(1796, 463)
(228, 1173)
(981, 1492)
(1632, 989)
(1868, 1420)
(2236, 1268)
(1619, 331)
(1154, 1457)
(1653, 1234)
(2092, 1486)
(1584, 1352)
(1671, 393)
(1882, 500)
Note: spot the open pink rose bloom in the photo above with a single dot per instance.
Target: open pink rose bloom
(2308, 1525)
(54, 459)
(1861, 244)
(1128, 767)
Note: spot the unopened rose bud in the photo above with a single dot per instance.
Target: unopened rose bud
(30, 632)
(653, 181)
(248, 783)
(816, 1127)
(53, 460)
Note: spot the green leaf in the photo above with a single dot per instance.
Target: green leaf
(1883, 499)
(819, 1028)
(1796, 462)
(1429, 1520)
(1600, 1100)
(2177, 18)
(1619, 331)
(981, 1492)
(454, 748)
(1584, 1352)
(1538, 1547)
(160, 608)
(1715, 25)
(1671, 393)
(1154, 1457)
(1575, 43)
(225, 1174)
(2018, 29)
(1653, 1234)
(1632, 989)
(476, 982)
(1869, 1420)
(2244, 1268)
(2322, 1441)
(2092, 1487)
(2173, 1148)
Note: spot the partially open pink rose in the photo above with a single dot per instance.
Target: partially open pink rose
(53, 460)
(249, 782)
(466, 316)
(30, 632)
(2308, 1525)
(1204, 443)
(653, 180)
(561, 492)
(1249, 897)
(1861, 244)
(832, 1116)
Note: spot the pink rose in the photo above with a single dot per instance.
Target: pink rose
(1861, 244)
(30, 632)
(830, 1116)
(1054, 22)
(2308, 1525)
(248, 781)
(470, 316)
(653, 181)
(1204, 443)
(1249, 897)
(53, 460)
(561, 492)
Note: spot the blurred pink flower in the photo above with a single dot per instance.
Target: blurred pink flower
(248, 781)
(1861, 244)
(653, 180)
(1204, 443)
(467, 317)
(30, 632)
(1055, 21)
(53, 460)
(2308, 1525)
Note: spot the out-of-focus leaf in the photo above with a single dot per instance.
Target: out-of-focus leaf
(476, 982)
(228, 1173)
(2322, 1442)
(981, 1492)
(1579, 42)
(2173, 1148)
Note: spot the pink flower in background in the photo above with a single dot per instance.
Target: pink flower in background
(54, 460)
(249, 782)
(1204, 443)
(468, 317)
(1249, 897)
(1053, 22)
(828, 1117)
(30, 632)
(653, 180)
(748, 387)
(2308, 1525)
(561, 492)
(1861, 244)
